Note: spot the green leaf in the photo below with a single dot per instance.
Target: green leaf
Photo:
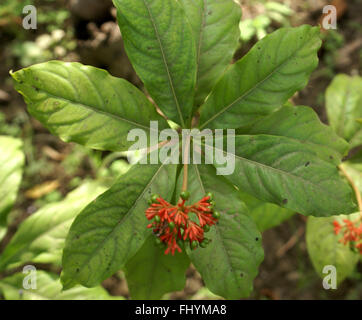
(215, 24)
(265, 215)
(150, 273)
(48, 288)
(40, 238)
(247, 30)
(12, 161)
(229, 264)
(303, 124)
(325, 249)
(344, 107)
(84, 104)
(158, 40)
(293, 166)
(110, 230)
(263, 80)
(2, 232)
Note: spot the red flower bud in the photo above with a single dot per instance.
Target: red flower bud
(172, 225)
(351, 233)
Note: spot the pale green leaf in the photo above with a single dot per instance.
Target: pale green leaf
(158, 40)
(40, 238)
(325, 249)
(84, 104)
(229, 264)
(279, 8)
(215, 25)
(11, 169)
(2, 232)
(247, 29)
(110, 230)
(344, 107)
(263, 80)
(48, 288)
(150, 273)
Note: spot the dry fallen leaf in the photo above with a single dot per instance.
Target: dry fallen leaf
(43, 189)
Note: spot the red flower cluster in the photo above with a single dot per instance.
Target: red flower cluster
(352, 233)
(173, 226)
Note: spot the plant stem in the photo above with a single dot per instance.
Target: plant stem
(184, 182)
(186, 166)
(354, 187)
(158, 146)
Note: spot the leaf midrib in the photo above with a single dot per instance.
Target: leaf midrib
(202, 29)
(126, 216)
(251, 89)
(165, 62)
(306, 142)
(257, 164)
(92, 108)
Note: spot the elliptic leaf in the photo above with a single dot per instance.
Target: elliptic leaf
(111, 229)
(263, 80)
(229, 264)
(303, 124)
(150, 273)
(344, 107)
(292, 166)
(40, 238)
(215, 25)
(158, 40)
(11, 169)
(84, 104)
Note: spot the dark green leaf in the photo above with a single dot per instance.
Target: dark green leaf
(215, 24)
(229, 264)
(84, 104)
(150, 273)
(110, 230)
(158, 40)
(262, 81)
(302, 123)
(265, 215)
(293, 166)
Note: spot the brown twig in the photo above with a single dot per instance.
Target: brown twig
(290, 243)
